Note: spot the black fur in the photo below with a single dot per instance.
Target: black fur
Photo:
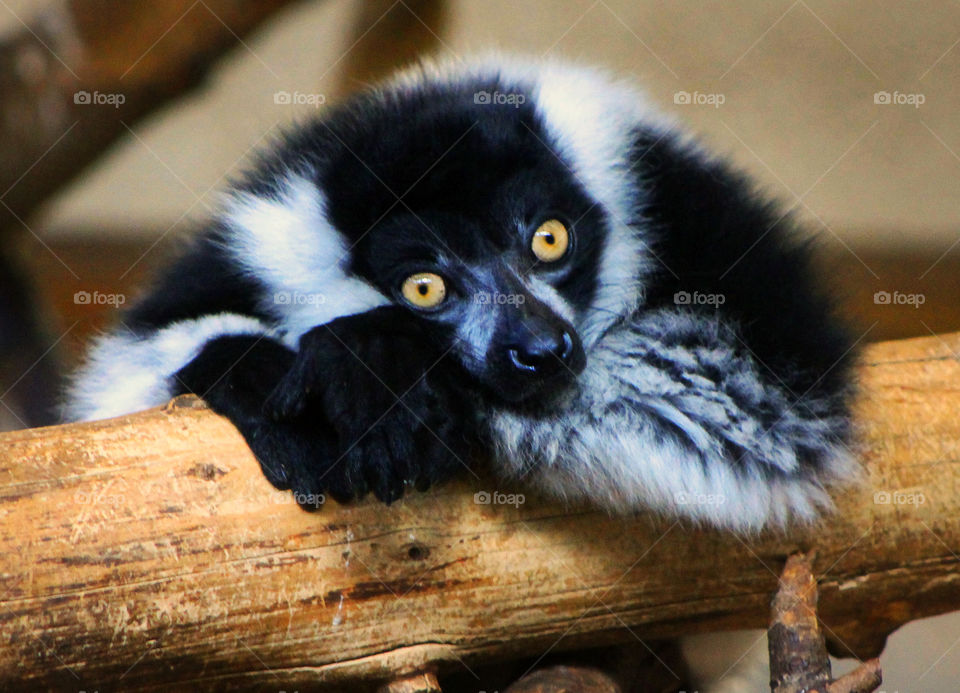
(714, 234)
(355, 409)
(430, 171)
(202, 281)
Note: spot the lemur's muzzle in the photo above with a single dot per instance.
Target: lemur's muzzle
(541, 348)
(535, 351)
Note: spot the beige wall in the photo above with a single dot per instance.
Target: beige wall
(798, 81)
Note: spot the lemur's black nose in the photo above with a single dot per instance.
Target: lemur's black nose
(542, 352)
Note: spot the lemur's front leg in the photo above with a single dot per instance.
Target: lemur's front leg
(375, 378)
(356, 408)
(235, 374)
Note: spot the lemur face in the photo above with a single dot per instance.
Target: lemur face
(468, 217)
(507, 317)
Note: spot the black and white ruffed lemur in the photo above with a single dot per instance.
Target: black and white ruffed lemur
(520, 256)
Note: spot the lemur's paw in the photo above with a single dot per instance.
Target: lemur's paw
(367, 377)
(298, 456)
(234, 375)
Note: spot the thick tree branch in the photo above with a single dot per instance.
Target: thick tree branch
(151, 547)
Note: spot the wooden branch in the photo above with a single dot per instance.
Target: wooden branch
(149, 550)
(798, 652)
(128, 57)
(866, 678)
(393, 34)
(29, 372)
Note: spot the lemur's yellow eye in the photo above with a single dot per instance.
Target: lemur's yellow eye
(550, 241)
(424, 289)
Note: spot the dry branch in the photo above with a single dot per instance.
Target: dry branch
(150, 547)
(145, 52)
(392, 34)
(137, 56)
(798, 652)
(416, 683)
(866, 678)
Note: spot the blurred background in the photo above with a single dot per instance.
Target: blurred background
(119, 122)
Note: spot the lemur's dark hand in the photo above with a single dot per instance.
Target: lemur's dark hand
(372, 378)
(234, 375)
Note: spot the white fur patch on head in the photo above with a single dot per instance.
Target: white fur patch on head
(287, 243)
(126, 372)
(550, 297)
(592, 121)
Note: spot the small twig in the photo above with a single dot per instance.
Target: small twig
(865, 678)
(798, 654)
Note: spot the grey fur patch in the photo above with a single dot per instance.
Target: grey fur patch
(653, 423)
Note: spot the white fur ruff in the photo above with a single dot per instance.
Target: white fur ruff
(125, 372)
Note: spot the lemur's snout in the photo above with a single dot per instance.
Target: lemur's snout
(533, 353)
(540, 349)
(543, 350)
